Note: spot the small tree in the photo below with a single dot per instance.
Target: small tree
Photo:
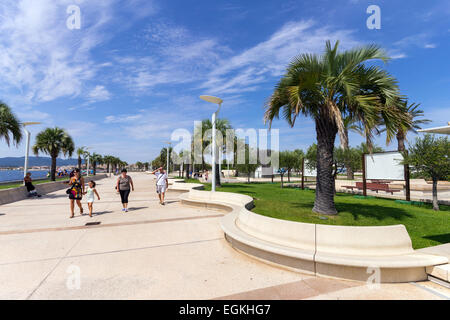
(288, 161)
(247, 167)
(430, 156)
(349, 158)
(311, 157)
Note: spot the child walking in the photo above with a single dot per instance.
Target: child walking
(90, 192)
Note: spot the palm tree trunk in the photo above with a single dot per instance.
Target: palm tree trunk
(95, 167)
(289, 175)
(345, 147)
(79, 162)
(218, 184)
(53, 169)
(401, 141)
(435, 198)
(326, 131)
(187, 170)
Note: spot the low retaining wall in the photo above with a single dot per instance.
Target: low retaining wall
(20, 193)
(334, 251)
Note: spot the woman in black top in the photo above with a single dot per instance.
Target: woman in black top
(124, 185)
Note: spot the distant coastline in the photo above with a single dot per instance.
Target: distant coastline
(43, 163)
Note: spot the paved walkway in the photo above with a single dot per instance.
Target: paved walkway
(151, 252)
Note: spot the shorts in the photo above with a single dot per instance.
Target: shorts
(161, 189)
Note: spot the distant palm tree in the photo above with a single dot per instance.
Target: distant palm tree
(413, 125)
(327, 88)
(139, 165)
(80, 153)
(95, 159)
(222, 125)
(53, 141)
(349, 123)
(108, 160)
(10, 126)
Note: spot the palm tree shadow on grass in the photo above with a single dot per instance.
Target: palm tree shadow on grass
(373, 211)
(377, 212)
(441, 238)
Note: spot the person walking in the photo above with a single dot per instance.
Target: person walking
(124, 185)
(161, 184)
(90, 193)
(76, 191)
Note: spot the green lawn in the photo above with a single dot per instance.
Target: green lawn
(425, 226)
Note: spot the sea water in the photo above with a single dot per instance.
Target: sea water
(17, 175)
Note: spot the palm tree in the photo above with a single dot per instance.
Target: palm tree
(139, 165)
(413, 125)
(328, 88)
(53, 141)
(222, 125)
(10, 126)
(349, 124)
(95, 159)
(108, 160)
(80, 153)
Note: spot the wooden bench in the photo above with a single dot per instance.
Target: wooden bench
(373, 186)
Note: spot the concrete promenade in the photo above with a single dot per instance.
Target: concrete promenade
(151, 252)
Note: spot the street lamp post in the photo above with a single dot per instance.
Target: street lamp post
(27, 151)
(167, 154)
(88, 155)
(214, 115)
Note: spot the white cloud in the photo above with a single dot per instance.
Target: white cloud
(99, 93)
(81, 128)
(397, 55)
(122, 118)
(42, 60)
(33, 115)
(268, 59)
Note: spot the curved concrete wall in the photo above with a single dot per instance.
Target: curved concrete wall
(370, 241)
(335, 251)
(20, 193)
(283, 232)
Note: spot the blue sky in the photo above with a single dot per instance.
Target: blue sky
(134, 70)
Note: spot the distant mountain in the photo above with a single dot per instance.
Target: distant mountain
(35, 161)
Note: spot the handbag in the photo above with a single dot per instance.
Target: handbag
(69, 191)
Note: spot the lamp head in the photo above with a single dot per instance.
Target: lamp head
(30, 123)
(212, 99)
